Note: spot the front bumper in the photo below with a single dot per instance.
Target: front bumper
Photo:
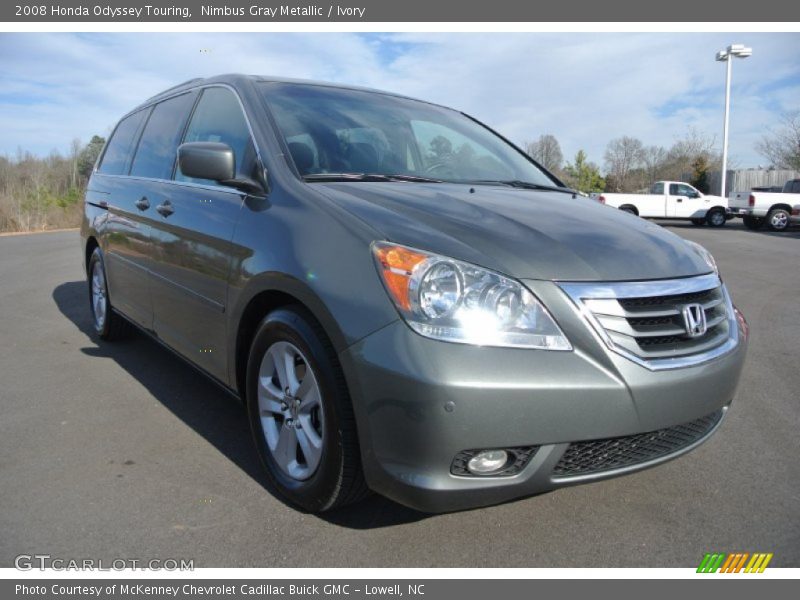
(420, 402)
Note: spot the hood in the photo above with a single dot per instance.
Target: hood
(527, 234)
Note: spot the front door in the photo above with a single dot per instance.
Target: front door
(192, 239)
(684, 202)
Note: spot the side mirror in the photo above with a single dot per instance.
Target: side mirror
(207, 160)
(214, 161)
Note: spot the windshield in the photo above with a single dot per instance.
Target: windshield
(341, 131)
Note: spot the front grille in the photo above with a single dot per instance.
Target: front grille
(644, 320)
(596, 456)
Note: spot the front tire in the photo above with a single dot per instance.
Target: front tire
(716, 218)
(753, 223)
(300, 413)
(778, 219)
(107, 324)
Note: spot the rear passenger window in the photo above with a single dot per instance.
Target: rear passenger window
(155, 156)
(119, 147)
(218, 117)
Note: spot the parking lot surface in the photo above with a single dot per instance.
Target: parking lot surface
(123, 451)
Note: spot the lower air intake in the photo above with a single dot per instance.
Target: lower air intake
(595, 456)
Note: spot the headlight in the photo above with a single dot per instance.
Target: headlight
(705, 255)
(450, 300)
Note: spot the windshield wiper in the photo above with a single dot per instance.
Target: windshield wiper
(367, 177)
(527, 185)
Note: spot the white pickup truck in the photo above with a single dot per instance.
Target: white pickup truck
(672, 200)
(773, 209)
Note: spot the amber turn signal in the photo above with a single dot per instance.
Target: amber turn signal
(396, 265)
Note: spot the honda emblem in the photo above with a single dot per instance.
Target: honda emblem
(694, 320)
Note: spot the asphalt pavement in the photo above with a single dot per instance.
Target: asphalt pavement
(123, 451)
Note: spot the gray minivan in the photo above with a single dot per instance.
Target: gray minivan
(403, 299)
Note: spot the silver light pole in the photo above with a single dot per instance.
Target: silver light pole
(739, 51)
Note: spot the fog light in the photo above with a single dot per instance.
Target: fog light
(487, 461)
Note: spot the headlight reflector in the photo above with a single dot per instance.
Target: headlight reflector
(454, 301)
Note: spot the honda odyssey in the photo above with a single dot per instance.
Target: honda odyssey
(404, 301)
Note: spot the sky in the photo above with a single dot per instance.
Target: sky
(584, 88)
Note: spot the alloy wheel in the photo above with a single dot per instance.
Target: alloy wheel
(290, 406)
(99, 299)
(779, 220)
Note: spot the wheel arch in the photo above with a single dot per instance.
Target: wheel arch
(632, 208)
(91, 244)
(780, 205)
(268, 293)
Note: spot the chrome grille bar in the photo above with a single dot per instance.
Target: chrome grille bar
(643, 320)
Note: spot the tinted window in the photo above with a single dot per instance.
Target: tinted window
(332, 130)
(677, 189)
(155, 156)
(119, 147)
(218, 118)
(658, 188)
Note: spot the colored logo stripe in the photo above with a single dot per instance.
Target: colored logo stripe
(758, 563)
(734, 563)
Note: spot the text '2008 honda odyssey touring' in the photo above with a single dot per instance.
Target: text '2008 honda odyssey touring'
(403, 299)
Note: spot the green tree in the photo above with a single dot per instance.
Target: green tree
(700, 168)
(88, 156)
(584, 175)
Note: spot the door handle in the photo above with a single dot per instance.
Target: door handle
(165, 209)
(143, 203)
(680, 199)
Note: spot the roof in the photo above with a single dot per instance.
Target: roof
(236, 78)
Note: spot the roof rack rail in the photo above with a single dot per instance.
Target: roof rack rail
(175, 87)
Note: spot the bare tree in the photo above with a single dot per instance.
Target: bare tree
(74, 155)
(43, 192)
(686, 150)
(622, 156)
(782, 147)
(653, 161)
(546, 151)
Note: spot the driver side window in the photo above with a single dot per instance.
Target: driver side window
(679, 189)
(218, 118)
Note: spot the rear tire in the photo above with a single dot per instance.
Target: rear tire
(629, 210)
(300, 413)
(108, 325)
(698, 222)
(753, 223)
(716, 218)
(778, 219)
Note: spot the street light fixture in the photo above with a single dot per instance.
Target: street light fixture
(739, 51)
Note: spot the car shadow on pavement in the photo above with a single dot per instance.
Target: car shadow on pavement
(205, 407)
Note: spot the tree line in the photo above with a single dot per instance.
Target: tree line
(39, 193)
(630, 166)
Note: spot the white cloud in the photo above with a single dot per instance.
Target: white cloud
(584, 88)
